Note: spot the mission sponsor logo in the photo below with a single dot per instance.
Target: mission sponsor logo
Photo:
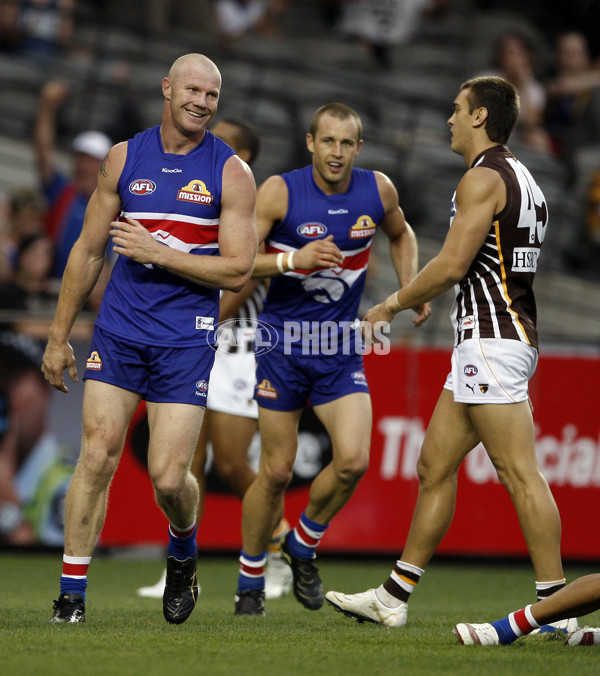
(266, 390)
(364, 227)
(195, 191)
(94, 363)
(142, 186)
(312, 230)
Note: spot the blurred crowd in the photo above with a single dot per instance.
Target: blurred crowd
(556, 71)
(555, 66)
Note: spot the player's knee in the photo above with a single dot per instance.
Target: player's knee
(169, 484)
(98, 463)
(352, 469)
(99, 458)
(277, 476)
(423, 470)
(101, 451)
(518, 482)
(229, 470)
(431, 475)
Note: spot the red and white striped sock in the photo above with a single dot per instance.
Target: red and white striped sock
(252, 571)
(522, 621)
(74, 574)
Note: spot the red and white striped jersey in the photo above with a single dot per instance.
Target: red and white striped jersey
(178, 199)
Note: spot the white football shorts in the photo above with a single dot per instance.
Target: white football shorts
(231, 385)
(491, 371)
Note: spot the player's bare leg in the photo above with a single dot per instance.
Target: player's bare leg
(263, 501)
(174, 430)
(508, 435)
(348, 422)
(449, 438)
(263, 504)
(107, 411)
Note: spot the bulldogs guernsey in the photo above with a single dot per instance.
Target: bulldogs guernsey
(495, 299)
(178, 199)
(313, 311)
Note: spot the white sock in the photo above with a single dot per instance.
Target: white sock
(386, 598)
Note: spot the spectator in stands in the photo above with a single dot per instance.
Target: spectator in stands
(67, 198)
(573, 110)
(582, 255)
(381, 25)
(236, 18)
(514, 60)
(30, 290)
(37, 29)
(127, 119)
(24, 217)
(28, 298)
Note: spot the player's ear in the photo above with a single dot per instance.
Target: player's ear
(166, 88)
(310, 142)
(480, 115)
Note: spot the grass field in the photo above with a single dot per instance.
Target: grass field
(126, 635)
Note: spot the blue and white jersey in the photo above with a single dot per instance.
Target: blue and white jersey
(178, 199)
(304, 304)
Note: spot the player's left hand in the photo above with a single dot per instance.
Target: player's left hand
(423, 314)
(373, 319)
(131, 239)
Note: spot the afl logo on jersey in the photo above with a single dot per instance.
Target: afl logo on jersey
(195, 191)
(142, 186)
(364, 227)
(311, 230)
(471, 370)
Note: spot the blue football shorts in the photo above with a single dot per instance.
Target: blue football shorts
(290, 382)
(164, 375)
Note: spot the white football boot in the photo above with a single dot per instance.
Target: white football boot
(366, 607)
(584, 636)
(476, 634)
(278, 577)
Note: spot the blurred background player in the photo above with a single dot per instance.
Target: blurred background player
(66, 197)
(231, 416)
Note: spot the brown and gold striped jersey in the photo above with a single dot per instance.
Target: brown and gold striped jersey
(495, 298)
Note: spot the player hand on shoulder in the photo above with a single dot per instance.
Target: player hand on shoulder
(320, 253)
